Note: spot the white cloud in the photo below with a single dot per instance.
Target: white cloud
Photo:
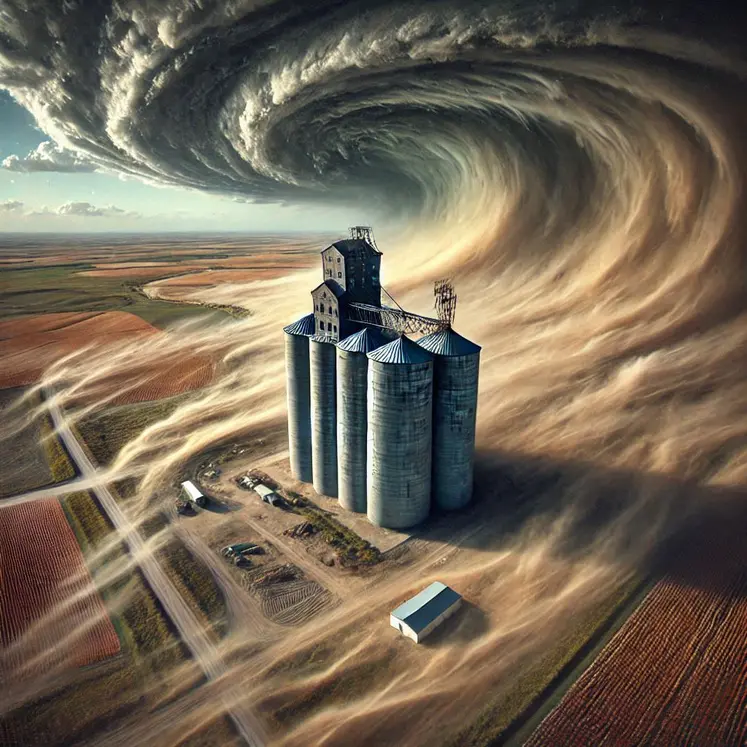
(87, 210)
(11, 206)
(49, 156)
(19, 209)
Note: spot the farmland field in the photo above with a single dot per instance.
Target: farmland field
(29, 345)
(105, 432)
(38, 457)
(675, 673)
(142, 678)
(41, 566)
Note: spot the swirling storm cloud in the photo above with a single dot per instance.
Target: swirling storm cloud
(577, 170)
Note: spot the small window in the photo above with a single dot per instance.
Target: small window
(338, 260)
(321, 325)
(335, 328)
(330, 309)
(339, 274)
(329, 273)
(335, 312)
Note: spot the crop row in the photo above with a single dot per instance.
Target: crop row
(675, 672)
(50, 612)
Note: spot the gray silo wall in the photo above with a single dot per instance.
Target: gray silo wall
(352, 419)
(455, 382)
(323, 417)
(299, 405)
(399, 443)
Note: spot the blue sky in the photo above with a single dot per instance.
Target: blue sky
(37, 201)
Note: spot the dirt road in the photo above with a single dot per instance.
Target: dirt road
(189, 628)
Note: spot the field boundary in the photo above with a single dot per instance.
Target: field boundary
(519, 730)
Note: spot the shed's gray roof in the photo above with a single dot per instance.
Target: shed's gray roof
(424, 608)
(447, 342)
(324, 338)
(365, 341)
(401, 350)
(304, 326)
(348, 247)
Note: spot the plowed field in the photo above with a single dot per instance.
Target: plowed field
(676, 673)
(45, 585)
(29, 345)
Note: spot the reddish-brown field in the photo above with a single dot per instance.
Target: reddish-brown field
(29, 345)
(676, 673)
(44, 583)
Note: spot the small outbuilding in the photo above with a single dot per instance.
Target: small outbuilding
(267, 494)
(419, 616)
(194, 494)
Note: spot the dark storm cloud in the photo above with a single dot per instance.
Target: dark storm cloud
(386, 104)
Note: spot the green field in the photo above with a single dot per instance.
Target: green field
(107, 431)
(32, 456)
(57, 288)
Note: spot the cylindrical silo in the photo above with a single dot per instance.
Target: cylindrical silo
(400, 393)
(299, 396)
(352, 416)
(456, 364)
(322, 355)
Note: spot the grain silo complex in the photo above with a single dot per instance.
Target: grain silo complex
(377, 420)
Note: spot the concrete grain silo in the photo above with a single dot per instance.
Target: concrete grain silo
(299, 396)
(400, 393)
(352, 416)
(322, 354)
(456, 363)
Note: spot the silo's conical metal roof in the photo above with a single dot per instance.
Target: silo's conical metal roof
(448, 343)
(401, 350)
(365, 341)
(304, 326)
